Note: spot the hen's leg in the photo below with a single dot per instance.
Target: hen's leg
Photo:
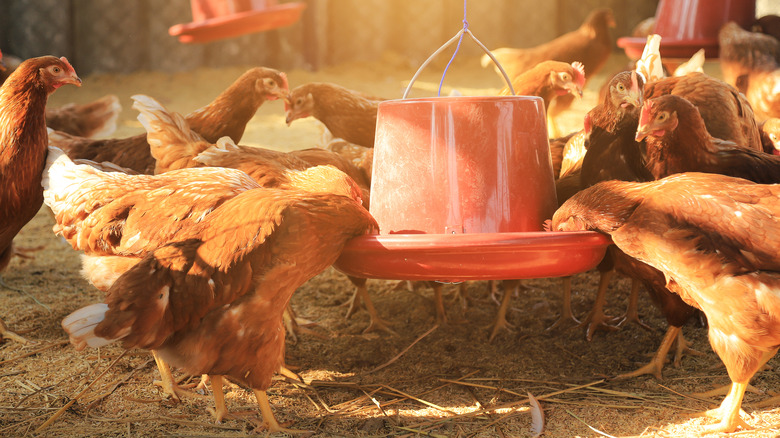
(168, 383)
(632, 310)
(728, 411)
(441, 315)
(596, 319)
(269, 421)
(567, 316)
(657, 363)
(361, 293)
(683, 347)
(220, 410)
(8, 334)
(510, 286)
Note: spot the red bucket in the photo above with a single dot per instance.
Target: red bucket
(452, 165)
(686, 26)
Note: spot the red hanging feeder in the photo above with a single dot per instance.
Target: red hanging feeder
(219, 19)
(461, 187)
(686, 26)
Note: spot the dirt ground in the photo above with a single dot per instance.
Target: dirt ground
(426, 380)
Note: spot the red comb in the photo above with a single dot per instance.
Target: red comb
(644, 118)
(579, 72)
(634, 81)
(67, 64)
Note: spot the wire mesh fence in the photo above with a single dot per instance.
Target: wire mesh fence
(125, 36)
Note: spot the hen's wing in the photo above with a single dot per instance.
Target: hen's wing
(721, 217)
(260, 237)
(104, 213)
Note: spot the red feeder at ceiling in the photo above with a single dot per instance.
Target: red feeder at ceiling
(219, 19)
(686, 26)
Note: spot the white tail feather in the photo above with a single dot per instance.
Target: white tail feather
(153, 115)
(224, 145)
(649, 65)
(80, 326)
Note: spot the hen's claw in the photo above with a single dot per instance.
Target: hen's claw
(5, 333)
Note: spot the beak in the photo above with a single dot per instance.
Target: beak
(71, 79)
(574, 89)
(289, 119)
(634, 98)
(642, 131)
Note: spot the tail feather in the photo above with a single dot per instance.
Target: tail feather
(61, 176)
(173, 144)
(80, 326)
(210, 156)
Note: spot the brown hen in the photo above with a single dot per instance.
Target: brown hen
(175, 146)
(677, 140)
(714, 238)
(211, 300)
(23, 141)
(227, 115)
(727, 114)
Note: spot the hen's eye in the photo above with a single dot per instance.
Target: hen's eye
(298, 101)
(662, 116)
(621, 87)
(56, 69)
(566, 77)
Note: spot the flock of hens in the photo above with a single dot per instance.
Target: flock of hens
(199, 242)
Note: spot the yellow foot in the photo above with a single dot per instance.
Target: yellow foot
(177, 392)
(500, 324)
(377, 324)
(564, 322)
(8, 334)
(726, 424)
(633, 318)
(654, 367)
(597, 321)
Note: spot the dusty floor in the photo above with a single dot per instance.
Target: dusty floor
(448, 383)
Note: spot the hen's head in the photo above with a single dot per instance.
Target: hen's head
(299, 103)
(660, 116)
(600, 18)
(625, 92)
(567, 78)
(46, 72)
(269, 83)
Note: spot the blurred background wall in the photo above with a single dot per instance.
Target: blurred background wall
(101, 36)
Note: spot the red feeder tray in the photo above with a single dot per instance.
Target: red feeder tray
(462, 257)
(461, 188)
(218, 19)
(686, 26)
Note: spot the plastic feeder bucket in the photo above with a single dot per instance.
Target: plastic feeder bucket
(686, 26)
(453, 165)
(461, 187)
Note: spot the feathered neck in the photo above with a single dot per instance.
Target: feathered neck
(228, 113)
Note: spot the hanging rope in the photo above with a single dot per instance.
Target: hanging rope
(460, 40)
(459, 37)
